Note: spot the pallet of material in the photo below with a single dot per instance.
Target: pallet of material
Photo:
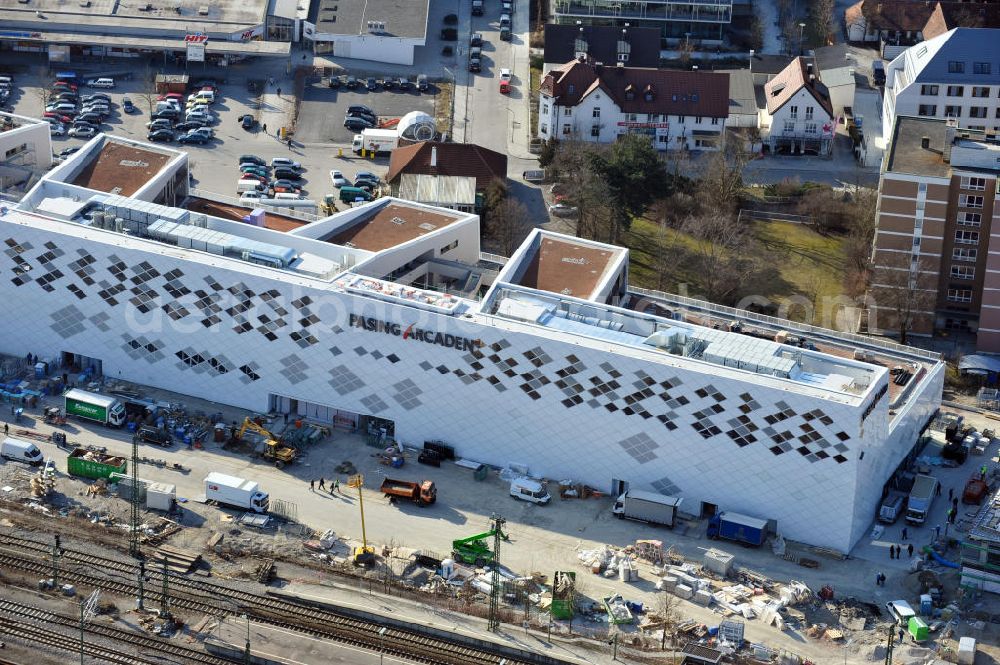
(178, 560)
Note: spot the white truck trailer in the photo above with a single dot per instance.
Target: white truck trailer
(647, 507)
(375, 140)
(235, 492)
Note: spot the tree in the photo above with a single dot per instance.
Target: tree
(548, 153)
(721, 185)
(756, 33)
(820, 21)
(723, 255)
(508, 224)
(147, 90)
(905, 290)
(666, 607)
(571, 168)
(634, 177)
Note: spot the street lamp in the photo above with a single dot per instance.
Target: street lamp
(246, 651)
(381, 640)
(801, 28)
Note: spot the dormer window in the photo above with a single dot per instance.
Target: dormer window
(629, 92)
(648, 93)
(570, 88)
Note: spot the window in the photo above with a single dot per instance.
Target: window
(962, 254)
(963, 272)
(571, 88)
(595, 131)
(970, 218)
(654, 117)
(969, 201)
(697, 120)
(956, 67)
(680, 119)
(922, 187)
(794, 111)
(789, 126)
(715, 121)
(927, 109)
(956, 90)
(649, 96)
(596, 113)
(662, 138)
(978, 112)
(978, 127)
(959, 295)
(568, 110)
(449, 247)
(631, 117)
(809, 113)
(545, 109)
(981, 68)
(810, 128)
(544, 129)
(953, 111)
(980, 91)
(975, 184)
(967, 237)
(567, 129)
(928, 90)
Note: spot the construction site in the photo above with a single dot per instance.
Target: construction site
(151, 534)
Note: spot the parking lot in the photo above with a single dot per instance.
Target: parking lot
(321, 113)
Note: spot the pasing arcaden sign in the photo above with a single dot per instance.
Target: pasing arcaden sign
(446, 340)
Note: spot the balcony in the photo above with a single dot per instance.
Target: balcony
(703, 11)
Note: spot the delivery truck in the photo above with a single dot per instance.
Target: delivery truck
(375, 140)
(647, 507)
(102, 409)
(92, 464)
(423, 493)
(922, 494)
(21, 451)
(738, 528)
(235, 492)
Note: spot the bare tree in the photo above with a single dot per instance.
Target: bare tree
(147, 88)
(508, 224)
(571, 167)
(905, 290)
(667, 608)
(723, 255)
(721, 185)
(821, 21)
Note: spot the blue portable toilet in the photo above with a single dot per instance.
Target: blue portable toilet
(926, 605)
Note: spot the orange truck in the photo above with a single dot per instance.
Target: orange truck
(423, 493)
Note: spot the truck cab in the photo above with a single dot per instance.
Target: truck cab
(529, 490)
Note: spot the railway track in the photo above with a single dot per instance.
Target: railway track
(10, 610)
(39, 635)
(203, 596)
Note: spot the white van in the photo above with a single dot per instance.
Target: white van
(251, 197)
(202, 97)
(243, 185)
(900, 610)
(527, 489)
(21, 451)
(101, 83)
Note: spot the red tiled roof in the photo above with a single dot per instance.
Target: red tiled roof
(671, 91)
(454, 159)
(929, 19)
(854, 13)
(936, 24)
(793, 78)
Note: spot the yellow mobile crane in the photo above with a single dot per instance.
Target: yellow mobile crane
(273, 448)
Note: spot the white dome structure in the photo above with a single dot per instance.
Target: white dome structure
(417, 126)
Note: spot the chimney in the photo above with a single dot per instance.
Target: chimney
(812, 79)
(925, 143)
(434, 157)
(949, 138)
(809, 68)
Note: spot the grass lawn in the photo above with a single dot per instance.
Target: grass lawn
(796, 262)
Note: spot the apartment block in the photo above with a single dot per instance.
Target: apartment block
(936, 254)
(676, 19)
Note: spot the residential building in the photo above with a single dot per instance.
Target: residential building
(936, 216)
(431, 158)
(675, 19)
(606, 44)
(955, 75)
(799, 114)
(898, 24)
(677, 110)
(376, 319)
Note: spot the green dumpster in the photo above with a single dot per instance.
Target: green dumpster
(918, 629)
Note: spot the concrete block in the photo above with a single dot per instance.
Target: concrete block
(683, 591)
(719, 562)
(702, 597)
(967, 651)
(669, 583)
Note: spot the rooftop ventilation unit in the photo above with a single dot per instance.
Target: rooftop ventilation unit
(426, 226)
(399, 221)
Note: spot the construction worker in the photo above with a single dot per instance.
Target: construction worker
(336, 485)
(6, 429)
(322, 484)
(312, 485)
(982, 472)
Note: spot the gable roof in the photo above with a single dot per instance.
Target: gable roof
(452, 159)
(931, 59)
(929, 19)
(793, 78)
(602, 44)
(672, 92)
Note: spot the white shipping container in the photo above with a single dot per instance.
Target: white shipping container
(161, 496)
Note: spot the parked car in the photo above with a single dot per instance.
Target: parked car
(422, 83)
(368, 175)
(95, 96)
(371, 84)
(197, 116)
(167, 114)
(505, 34)
(286, 184)
(161, 123)
(338, 179)
(251, 159)
(101, 83)
(207, 132)
(262, 179)
(507, 6)
(58, 129)
(248, 122)
(193, 137)
(67, 96)
(387, 83)
(65, 84)
(335, 82)
(504, 20)
(92, 118)
(253, 170)
(128, 106)
(476, 39)
(66, 152)
(505, 74)
(55, 115)
(356, 124)
(83, 131)
(98, 109)
(404, 83)
(361, 110)
(285, 163)
(170, 95)
(250, 197)
(187, 125)
(287, 174)
(161, 135)
(62, 107)
(562, 210)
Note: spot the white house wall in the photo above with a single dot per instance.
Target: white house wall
(802, 99)
(377, 48)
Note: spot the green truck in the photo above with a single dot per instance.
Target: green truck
(103, 409)
(90, 464)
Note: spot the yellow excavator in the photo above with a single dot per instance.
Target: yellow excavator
(273, 448)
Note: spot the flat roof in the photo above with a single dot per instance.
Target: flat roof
(566, 267)
(391, 225)
(121, 168)
(214, 46)
(906, 154)
(402, 18)
(216, 11)
(273, 221)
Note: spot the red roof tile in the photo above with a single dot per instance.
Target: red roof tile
(793, 78)
(454, 159)
(670, 91)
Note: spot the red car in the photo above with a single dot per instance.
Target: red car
(251, 176)
(64, 84)
(170, 95)
(58, 116)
